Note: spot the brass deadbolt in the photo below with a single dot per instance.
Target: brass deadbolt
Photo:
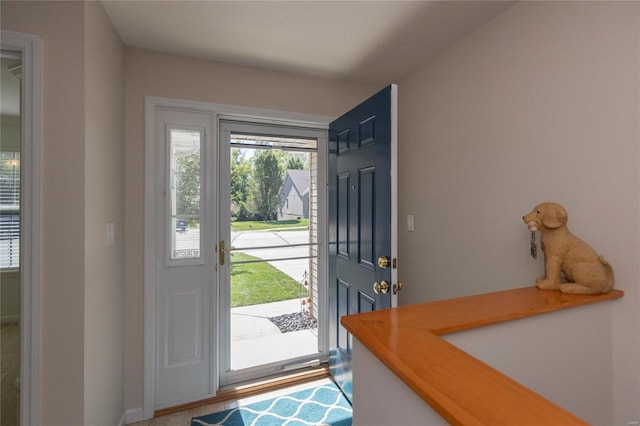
(383, 262)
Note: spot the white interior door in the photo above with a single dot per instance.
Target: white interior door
(185, 194)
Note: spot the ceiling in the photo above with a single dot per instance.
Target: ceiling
(369, 42)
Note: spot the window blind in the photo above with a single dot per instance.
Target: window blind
(9, 210)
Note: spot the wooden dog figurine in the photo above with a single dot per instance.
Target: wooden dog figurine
(584, 272)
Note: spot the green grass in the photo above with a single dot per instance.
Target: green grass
(257, 283)
(280, 225)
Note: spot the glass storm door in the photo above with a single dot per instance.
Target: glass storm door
(271, 233)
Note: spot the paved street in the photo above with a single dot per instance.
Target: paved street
(246, 241)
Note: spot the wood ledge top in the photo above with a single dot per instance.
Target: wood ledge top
(461, 388)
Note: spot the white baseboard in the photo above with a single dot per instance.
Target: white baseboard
(121, 422)
(9, 319)
(134, 415)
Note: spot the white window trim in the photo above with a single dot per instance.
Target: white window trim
(229, 112)
(29, 47)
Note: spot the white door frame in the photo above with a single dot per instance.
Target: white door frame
(29, 46)
(322, 152)
(152, 105)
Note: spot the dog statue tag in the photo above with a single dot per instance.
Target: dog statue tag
(534, 247)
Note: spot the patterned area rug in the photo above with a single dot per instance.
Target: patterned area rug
(322, 405)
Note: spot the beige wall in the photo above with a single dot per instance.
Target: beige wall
(61, 28)
(82, 189)
(542, 103)
(104, 203)
(150, 73)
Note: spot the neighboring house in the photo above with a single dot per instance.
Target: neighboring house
(294, 198)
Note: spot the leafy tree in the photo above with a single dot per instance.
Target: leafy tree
(240, 178)
(294, 161)
(265, 186)
(188, 184)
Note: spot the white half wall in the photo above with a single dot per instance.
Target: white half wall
(398, 403)
(566, 356)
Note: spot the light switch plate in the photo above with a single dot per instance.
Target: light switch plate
(111, 233)
(411, 225)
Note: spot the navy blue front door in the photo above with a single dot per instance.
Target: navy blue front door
(360, 220)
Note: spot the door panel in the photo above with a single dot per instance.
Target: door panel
(184, 328)
(342, 305)
(342, 219)
(366, 303)
(366, 216)
(361, 219)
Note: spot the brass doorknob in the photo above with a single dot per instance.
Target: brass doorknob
(381, 287)
(397, 287)
(383, 262)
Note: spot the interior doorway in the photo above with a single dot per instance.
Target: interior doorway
(271, 286)
(10, 236)
(22, 166)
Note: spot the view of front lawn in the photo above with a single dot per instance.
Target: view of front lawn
(278, 225)
(257, 283)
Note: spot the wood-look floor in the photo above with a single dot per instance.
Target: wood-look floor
(9, 371)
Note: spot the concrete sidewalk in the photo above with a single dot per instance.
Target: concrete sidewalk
(250, 322)
(255, 340)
